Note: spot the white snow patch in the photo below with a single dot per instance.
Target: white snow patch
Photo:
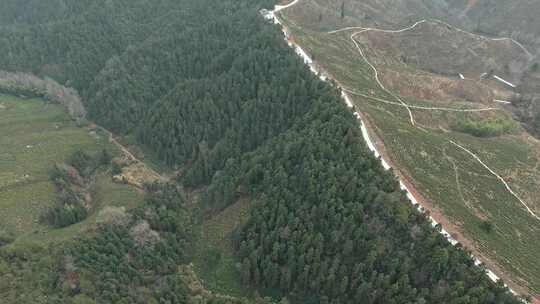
(504, 81)
(305, 56)
(278, 8)
(349, 103)
(268, 15)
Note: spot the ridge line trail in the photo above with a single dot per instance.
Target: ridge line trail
(419, 107)
(520, 45)
(498, 177)
(378, 30)
(379, 82)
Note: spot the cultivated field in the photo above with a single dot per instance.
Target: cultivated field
(452, 181)
(34, 136)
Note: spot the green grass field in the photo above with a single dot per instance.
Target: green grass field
(215, 261)
(454, 182)
(34, 135)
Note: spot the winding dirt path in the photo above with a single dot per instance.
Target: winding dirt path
(499, 178)
(515, 42)
(128, 153)
(418, 107)
(376, 74)
(408, 186)
(378, 30)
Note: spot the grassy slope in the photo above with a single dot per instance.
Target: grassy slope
(215, 261)
(429, 159)
(33, 136)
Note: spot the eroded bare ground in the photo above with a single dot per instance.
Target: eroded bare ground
(433, 62)
(133, 171)
(136, 174)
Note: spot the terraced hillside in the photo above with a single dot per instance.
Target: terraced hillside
(471, 162)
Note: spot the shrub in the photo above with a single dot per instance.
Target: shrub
(486, 128)
(535, 67)
(64, 215)
(82, 162)
(116, 168)
(105, 158)
(487, 226)
(6, 237)
(213, 258)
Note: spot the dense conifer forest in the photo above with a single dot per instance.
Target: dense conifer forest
(213, 90)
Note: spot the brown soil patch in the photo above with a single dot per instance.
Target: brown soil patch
(134, 171)
(136, 174)
(436, 88)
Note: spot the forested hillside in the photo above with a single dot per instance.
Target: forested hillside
(331, 226)
(213, 90)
